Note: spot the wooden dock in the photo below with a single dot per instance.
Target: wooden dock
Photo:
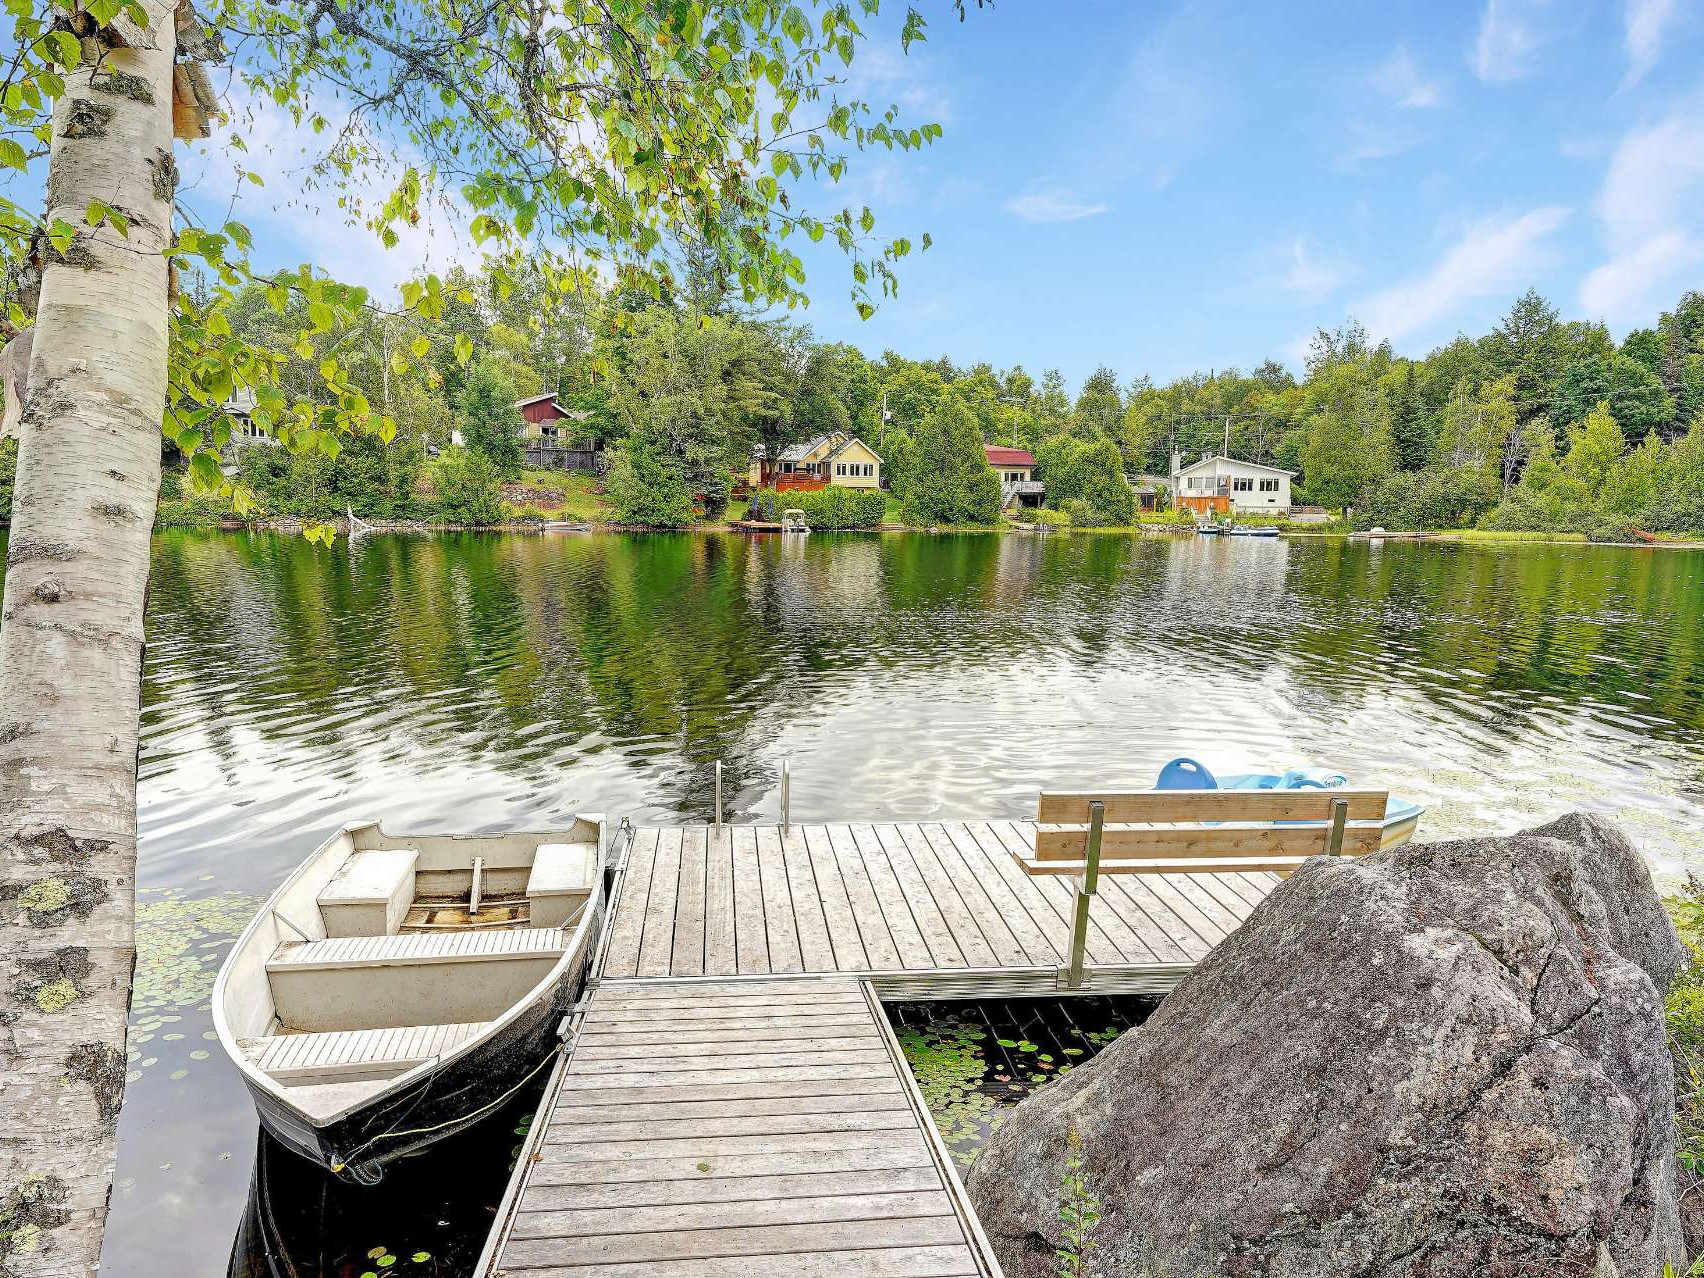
(733, 1100)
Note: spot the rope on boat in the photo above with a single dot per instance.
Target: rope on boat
(345, 1164)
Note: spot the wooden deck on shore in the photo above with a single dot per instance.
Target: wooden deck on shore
(733, 1100)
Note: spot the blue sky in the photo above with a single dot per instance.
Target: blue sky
(1165, 187)
(1173, 186)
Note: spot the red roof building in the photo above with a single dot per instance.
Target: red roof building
(1016, 468)
(1017, 458)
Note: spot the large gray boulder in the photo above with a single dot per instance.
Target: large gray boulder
(1445, 1061)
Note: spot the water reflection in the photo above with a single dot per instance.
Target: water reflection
(485, 681)
(428, 1217)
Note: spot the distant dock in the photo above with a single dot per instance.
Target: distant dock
(733, 1101)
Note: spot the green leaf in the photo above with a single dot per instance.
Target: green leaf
(464, 349)
(67, 52)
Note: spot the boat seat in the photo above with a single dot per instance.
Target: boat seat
(561, 878)
(354, 1055)
(412, 978)
(418, 947)
(370, 893)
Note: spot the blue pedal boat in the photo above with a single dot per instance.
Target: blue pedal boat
(1401, 817)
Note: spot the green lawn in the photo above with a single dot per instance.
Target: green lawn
(574, 497)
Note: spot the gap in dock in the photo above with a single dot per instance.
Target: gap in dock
(975, 1059)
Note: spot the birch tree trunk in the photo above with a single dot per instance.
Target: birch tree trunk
(70, 652)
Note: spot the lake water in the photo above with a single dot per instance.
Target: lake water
(507, 681)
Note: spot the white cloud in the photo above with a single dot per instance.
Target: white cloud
(1632, 287)
(1510, 32)
(300, 215)
(882, 74)
(1645, 22)
(1581, 147)
(1399, 79)
(1169, 99)
(1492, 256)
(1651, 211)
(1367, 142)
(1054, 204)
(1306, 274)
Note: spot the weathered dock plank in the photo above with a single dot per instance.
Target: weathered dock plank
(796, 1152)
(912, 899)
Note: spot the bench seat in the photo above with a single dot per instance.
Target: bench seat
(370, 893)
(561, 878)
(355, 1055)
(418, 947)
(383, 982)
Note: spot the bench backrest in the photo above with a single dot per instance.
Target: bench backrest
(1208, 823)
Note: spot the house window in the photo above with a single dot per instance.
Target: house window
(1269, 485)
(549, 432)
(1242, 485)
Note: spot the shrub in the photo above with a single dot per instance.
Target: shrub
(1049, 518)
(835, 508)
(375, 479)
(191, 512)
(469, 488)
(1443, 497)
(1685, 1015)
(647, 486)
(1612, 532)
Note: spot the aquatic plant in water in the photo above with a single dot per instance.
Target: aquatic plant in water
(974, 1062)
(949, 1064)
(180, 942)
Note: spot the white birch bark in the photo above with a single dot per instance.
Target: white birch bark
(70, 656)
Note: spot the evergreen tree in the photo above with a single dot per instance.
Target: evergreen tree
(490, 422)
(1411, 436)
(1584, 385)
(952, 482)
(1525, 346)
(1100, 405)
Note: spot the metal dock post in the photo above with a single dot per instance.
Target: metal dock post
(1073, 974)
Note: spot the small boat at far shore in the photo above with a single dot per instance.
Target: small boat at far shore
(1237, 530)
(396, 989)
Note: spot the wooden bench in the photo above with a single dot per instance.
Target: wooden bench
(1216, 831)
(1192, 832)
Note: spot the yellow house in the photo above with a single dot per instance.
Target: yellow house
(843, 460)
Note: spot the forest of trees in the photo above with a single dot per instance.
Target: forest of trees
(1541, 424)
